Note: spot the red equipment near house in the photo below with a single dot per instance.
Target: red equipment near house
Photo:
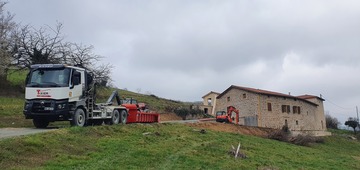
(136, 115)
(226, 117)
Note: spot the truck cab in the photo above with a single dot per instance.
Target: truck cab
(53, 91)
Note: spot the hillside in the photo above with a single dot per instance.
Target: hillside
(161, 146)
(169, 146)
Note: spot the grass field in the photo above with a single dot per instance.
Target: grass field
(169, 146)
(159, 146)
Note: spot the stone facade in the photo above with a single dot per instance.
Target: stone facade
(302, 114)
(209, 101)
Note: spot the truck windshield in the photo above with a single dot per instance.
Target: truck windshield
(49, 78)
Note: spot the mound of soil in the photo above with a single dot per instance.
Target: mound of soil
(232, 128)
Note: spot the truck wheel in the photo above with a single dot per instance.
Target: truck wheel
(116, 117)
(78, 118)
(123, 116)
(40, 123)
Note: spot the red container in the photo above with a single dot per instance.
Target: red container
(135, 116)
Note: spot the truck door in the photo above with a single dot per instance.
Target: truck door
(76, 87)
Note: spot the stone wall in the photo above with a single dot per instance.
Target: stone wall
(210, 105)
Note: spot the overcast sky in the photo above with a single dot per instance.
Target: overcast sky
(183, 49)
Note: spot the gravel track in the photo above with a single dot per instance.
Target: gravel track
(14, 132)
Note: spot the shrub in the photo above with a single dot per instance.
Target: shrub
(154, 96)
(184, 112)
(306, 140)
(303, 140)
(331, 122)
(279, 135)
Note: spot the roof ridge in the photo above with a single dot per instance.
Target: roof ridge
(263, 92)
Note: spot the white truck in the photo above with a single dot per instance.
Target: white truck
(58, 92)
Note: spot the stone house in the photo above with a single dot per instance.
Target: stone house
(302, 114)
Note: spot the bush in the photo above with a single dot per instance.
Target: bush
(303, 140)
(306, 140)
(154, 96)
(284, 135)
(279, 135)
(331, 122)
(184, 112)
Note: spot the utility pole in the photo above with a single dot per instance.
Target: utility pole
(357, 113)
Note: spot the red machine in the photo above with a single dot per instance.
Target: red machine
(226, 117)
(137, 115)
(136, 112)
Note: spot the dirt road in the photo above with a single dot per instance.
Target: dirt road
(13, 132)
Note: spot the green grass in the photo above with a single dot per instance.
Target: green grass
(169, 146)
(11, 112)
(17, 77)
(155, 103)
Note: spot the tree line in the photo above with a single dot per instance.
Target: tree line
(333, 123)
(23, 45)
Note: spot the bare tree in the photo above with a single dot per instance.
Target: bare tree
(7, 26)
(331, 122)
(82, 55)
(39, 46)
(102, 74)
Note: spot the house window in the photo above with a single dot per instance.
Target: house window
(269, 107)
(297, 123)
(296, 109)
(209, 101)
(244, 95)
(206, 110)
(228, 98)
(285, 108)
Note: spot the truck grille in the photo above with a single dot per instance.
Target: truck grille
(39, 106)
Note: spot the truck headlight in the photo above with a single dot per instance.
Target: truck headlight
(61, 106)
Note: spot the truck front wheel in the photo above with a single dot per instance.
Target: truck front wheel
(40, 123)
(78, 118)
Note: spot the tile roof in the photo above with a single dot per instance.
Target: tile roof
(266, 92)
(306, 96)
